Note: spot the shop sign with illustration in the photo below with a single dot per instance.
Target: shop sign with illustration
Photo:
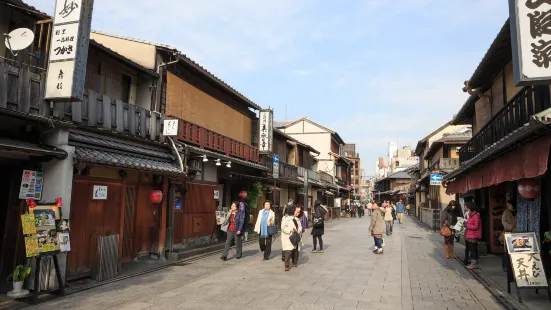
(45, 231)
(32, 184)
(526, 260)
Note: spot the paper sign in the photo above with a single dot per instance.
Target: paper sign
(170, 127)
(100, 192)
(31, 246)
(216, 194)
(48, 247)
(28, 224)
(528, 270)
(31, 185)
(64, 242)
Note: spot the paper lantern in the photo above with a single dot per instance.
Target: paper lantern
(30, 203)
(58, 202)
(529, 188)
(243, 194)
(156, 196)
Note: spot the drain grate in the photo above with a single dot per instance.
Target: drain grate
(415, 237)
(181, 264)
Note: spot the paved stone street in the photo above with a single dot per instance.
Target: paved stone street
(411, 274)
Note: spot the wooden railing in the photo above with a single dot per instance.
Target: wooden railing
(314, 176)
(201, 136)
(302, 172)
(288, 171)
(326, 177)
(517, 112)
(445, 164)
(22, 90)
(100, 111)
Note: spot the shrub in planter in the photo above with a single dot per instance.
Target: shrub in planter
(18, 276)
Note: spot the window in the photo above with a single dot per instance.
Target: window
(125, 88)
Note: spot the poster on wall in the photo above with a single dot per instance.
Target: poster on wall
(64, 242)
(31, 185)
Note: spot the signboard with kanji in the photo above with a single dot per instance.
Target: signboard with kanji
(526, 261)
(69, 50)
(265, 131)
(530, 41)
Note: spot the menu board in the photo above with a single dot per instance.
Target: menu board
(45, 231)
(526, 260)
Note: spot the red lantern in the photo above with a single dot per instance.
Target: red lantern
(243, 194)
(58, 202)
(529, 188)
(156, 196)
(30, 203)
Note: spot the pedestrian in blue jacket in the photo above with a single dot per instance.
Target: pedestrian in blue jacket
(400, 209)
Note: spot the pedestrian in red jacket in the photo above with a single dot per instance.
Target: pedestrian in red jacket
(473, 233)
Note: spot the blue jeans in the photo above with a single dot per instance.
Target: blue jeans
(378, 242)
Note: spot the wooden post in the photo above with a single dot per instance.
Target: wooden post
(122, 211)
(162, 218)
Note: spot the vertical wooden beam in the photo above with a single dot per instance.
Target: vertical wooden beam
(132, 119)
(92, 108)
(119, 114)
(162, 217)
(24, 100)
(3, 84)
(106, 112)
(122, 212)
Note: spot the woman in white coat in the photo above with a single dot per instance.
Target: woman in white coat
(290, 224)
(266, 217)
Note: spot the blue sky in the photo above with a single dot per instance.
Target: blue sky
(373, 70)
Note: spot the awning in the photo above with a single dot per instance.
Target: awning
(528, 161)
(220, 156)
(97, 156)
(329, 193)
(30, 149)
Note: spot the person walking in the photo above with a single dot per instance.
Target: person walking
(302, 216)
(318, 226)
(473, 233)
(400, 209)
(408, 209)
(232, 225)
(389, 219)
(509, 221)
(290, 204)
(377, 228)
(451, 213)
(265, 218)
(289, 225)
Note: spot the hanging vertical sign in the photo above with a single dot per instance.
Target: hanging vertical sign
(265, 132)
(530, 41)
(69, 50)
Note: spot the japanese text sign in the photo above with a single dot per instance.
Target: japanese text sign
(69, 50)
(525, 260)
(531, 40)
(265, 131)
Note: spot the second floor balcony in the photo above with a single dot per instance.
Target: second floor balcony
(326, 177)
(445, 164)
(529, 101)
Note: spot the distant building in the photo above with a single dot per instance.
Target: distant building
(349, 151)
(381, 168)
(392, 148)
(403, 159)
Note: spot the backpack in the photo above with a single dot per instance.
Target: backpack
(317, 220)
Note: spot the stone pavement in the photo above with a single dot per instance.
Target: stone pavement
(411, 274)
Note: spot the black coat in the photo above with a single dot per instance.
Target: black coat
(318, 231)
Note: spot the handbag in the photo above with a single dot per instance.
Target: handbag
(445, 231)
(294, 238)
(272, 230)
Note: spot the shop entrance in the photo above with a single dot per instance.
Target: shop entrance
(12, 248)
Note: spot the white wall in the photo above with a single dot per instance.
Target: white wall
(141, 53)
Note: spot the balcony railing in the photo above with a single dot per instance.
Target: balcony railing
(288, 171)
(201, 136)
(445, 164)
(314, 176)
(517, 112)
(23, 91)
(302, 172)
(326, 177)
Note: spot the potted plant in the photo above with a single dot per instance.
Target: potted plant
(18, 276)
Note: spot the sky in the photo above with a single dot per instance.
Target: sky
(375, 71)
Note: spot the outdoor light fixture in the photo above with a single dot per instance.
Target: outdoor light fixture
(218, 163)
(228, 164)
(205, 159)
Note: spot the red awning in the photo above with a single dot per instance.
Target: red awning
(528, 161)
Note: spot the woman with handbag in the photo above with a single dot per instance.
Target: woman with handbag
(265, 227)
(451, 213)
(290, 238)
(318, 225)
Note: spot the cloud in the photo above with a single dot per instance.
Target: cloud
(301, 72)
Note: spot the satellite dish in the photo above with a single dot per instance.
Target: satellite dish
(19, 39)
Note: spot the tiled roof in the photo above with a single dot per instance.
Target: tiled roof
(116, 144)
(29, 147)
(192, 63)
(97, 156)
(23, 5)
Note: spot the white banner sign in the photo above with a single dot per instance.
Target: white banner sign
(170, 127)
(100, 192)
(531, 40)
(69, 50)
(528, 270)
(265, 132)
